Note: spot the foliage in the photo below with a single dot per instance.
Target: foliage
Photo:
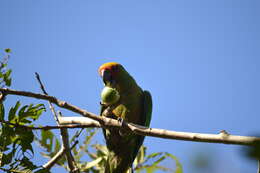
(16, 142)
(16, 151)
(5, 73)
(98, 153)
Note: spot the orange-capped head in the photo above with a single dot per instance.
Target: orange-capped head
(109, 72)
(109, 66)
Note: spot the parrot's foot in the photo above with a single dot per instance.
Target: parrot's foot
(121, 121)
(122, 132)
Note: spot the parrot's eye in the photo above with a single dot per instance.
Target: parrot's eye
(115, 69)
(107, 77)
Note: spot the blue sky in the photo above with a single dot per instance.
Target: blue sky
(199, 59)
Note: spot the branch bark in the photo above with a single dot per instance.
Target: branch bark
(64, 133)
(222, 137)
(54, 159)
(57, 157)
(103, 122)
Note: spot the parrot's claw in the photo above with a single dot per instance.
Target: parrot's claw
(121, 121)
(102, 104)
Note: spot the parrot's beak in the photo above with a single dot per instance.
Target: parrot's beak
(107, 77)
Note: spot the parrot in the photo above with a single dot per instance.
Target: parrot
(122, 99)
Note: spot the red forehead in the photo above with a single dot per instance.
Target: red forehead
(107, 66)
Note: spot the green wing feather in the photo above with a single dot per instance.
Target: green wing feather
(146, 118)
(148, 106)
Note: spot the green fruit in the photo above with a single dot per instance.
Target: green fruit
(109, 96)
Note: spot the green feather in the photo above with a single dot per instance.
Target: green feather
(148, 106)
(147, 116)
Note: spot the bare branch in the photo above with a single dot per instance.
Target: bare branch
(68, 126)
(222, 137)
(69, 156)
(57, 156)
(44, 91)
(82, 122)
(54, 159)
(54, 100)
(64, 133)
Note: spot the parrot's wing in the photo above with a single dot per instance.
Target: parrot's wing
(146, 118)
(147, 108)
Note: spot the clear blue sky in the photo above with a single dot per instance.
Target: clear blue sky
(200, 60)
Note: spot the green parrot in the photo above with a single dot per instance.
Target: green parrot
(123, 99)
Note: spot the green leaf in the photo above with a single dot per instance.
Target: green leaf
(153, 155)
(6, 137)
(7, 78)
(101, 149)
(8, 50)
(90, 133)
(8, 73)
(92, 155)
(177, 162)
(6, 158)
(7, 131)
(25, 162)
(22, 111)
(159, 160)
(13, 110)
(47, 140)
(57, 146)
(8, 81)
(1, 155)
(92, 163)
(39, 108)
(30, 111)
(155, 165)
(140, 156)
(26, 138)
(150, 169)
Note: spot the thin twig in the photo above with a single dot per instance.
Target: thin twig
(69, 156)
(57, 157)
(63, 131)
(44, 91)
(54, 159)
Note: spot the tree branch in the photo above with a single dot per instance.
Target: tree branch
(54, 100)
(103, 122)
(54, 159)
(64, 133)
(57, 156)
(222, 137)
(68, 126)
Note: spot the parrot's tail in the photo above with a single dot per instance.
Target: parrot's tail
(107, 170)
(117, 164)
